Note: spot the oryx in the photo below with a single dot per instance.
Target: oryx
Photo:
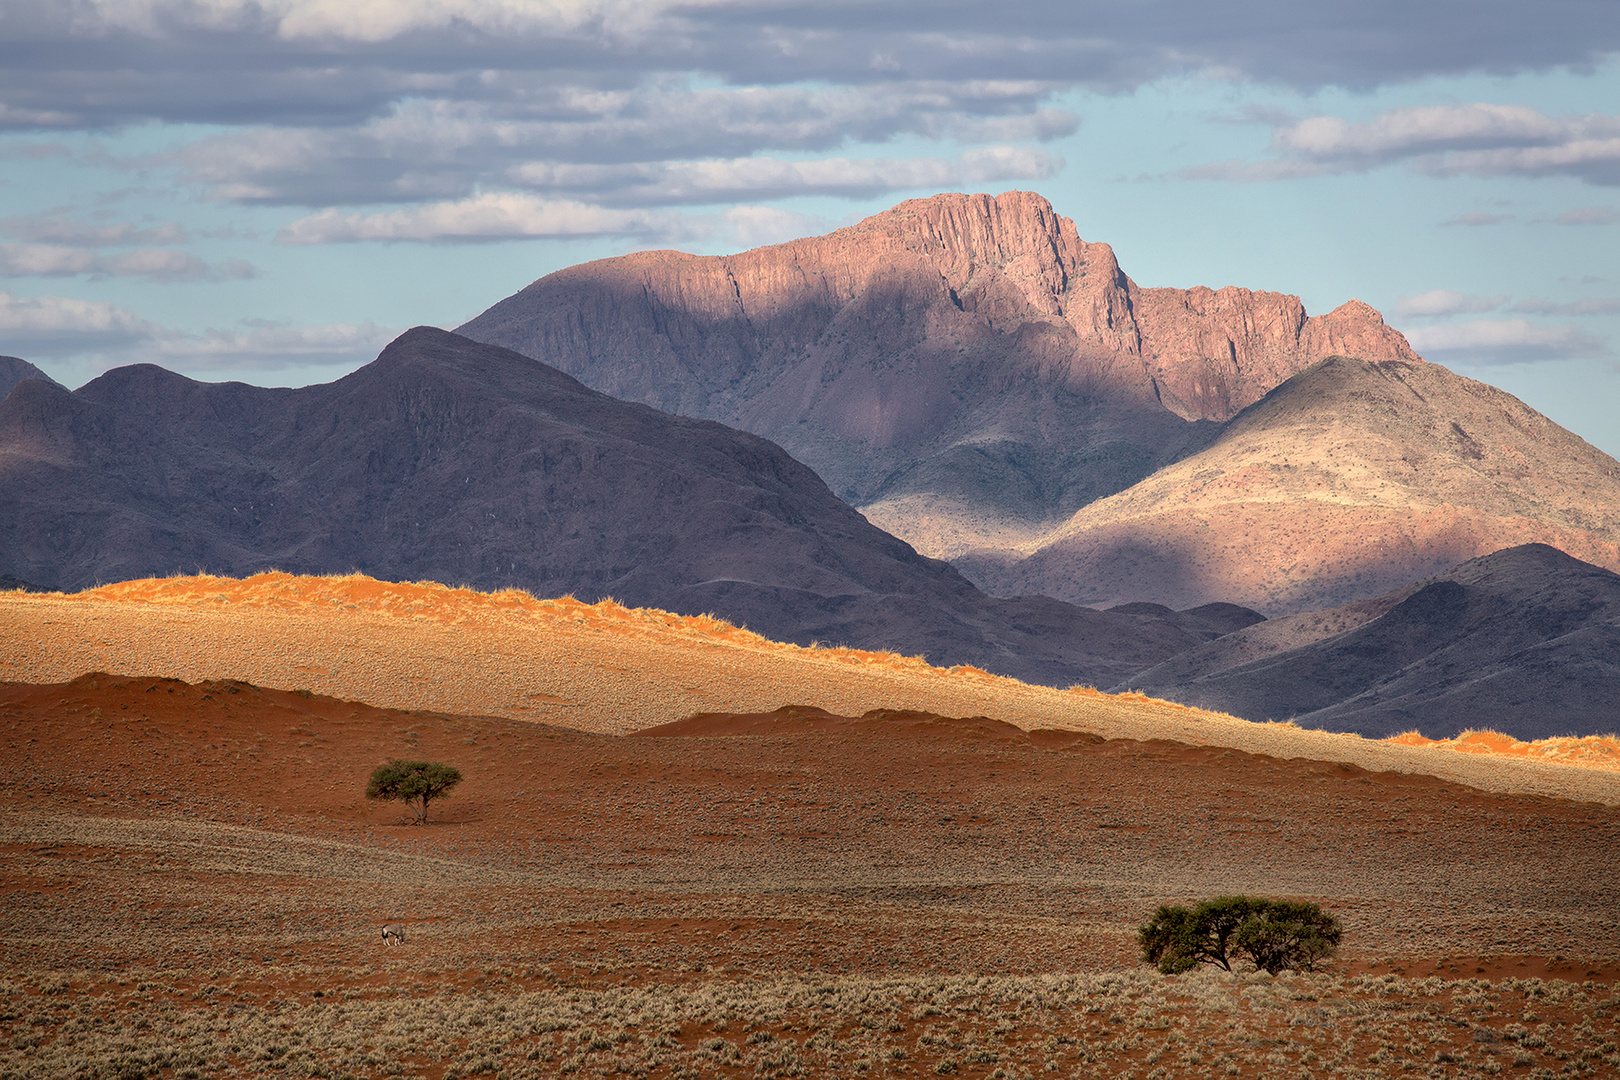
(393, 934)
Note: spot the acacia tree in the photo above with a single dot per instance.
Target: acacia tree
(415, 783)
(1275, 935)
(1289, 934)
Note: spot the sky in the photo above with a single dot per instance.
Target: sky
(271, 191)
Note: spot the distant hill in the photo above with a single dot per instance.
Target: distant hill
(455, 461)
(1525, 641)
(964, 369)
(14, 370)
(1351, 479)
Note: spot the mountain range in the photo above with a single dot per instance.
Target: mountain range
(978, 381)
(14, 370)
(968, 374)
(964, 369)
(1350, 479)
(455, 461)
(1525, 640)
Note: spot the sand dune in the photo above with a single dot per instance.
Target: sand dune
(608, 669)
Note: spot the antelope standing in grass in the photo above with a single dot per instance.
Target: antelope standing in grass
(393, 934)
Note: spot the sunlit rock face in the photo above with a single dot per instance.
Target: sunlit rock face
(963, 368)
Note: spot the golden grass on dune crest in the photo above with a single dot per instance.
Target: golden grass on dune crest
(1591, 751)
(606, 668)
(448, 604)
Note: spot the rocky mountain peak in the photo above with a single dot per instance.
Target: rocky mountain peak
(974, 239)
(969, 350)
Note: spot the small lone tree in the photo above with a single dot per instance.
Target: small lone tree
(1275, 935)
(416, 783)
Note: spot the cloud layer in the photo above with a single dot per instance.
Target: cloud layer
(89, 333)
(628, 106)
(1479, 139)
(157, 264)
(1439, 303)
(330, 62)
(1504, 341)
(56, 245)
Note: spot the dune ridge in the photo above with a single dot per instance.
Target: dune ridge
(1590, 751)
(606, 668)
(460, 604)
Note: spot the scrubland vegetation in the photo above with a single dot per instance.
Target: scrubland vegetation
(278, 1022)
(193, 886)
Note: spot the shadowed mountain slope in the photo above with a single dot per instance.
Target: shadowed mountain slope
(455, 461)
(14, 370)
(1349, 480)
(965, 369)
(1524, 641)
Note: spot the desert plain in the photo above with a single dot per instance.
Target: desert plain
(680, 850)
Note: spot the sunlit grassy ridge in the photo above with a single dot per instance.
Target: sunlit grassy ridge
(450, 604)
(1592, 751)
(444, 603)
(609, 668)
(429, 599)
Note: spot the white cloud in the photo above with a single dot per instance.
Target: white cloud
(657, 144)
(1595, 160)
(1440, 303)
(513, 216)
(1479, 139)
(1416, 130)
(157, 264)
(59, 325)
(1504, 341)
(166, 264)
(756, 226)
(1437, 302)
(265, 346)
(719, 180)
(495, 216)
(60, 229)
(370, 20)
(355, 53)
(86, 337)
(45, 260)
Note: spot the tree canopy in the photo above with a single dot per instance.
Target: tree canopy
(1274, 935)
(416, 783)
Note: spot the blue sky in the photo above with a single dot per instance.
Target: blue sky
(271, 191)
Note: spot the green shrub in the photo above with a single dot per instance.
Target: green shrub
(1274, 935)
(415, 783)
